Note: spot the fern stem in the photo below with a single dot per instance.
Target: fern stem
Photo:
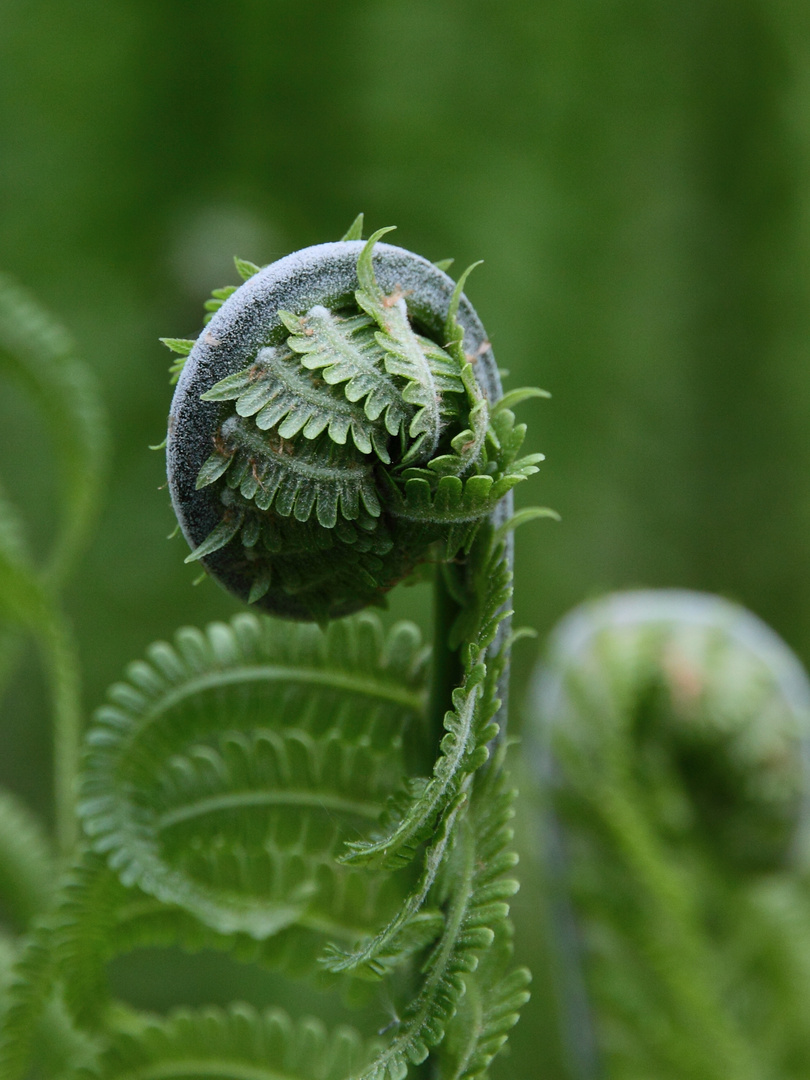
(446, 664)
(65, 690)
(27, 602)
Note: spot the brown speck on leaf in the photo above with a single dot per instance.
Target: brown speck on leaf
(220, 445)
(279, 445)
(485, 346)
(398, 294)
(255, 473)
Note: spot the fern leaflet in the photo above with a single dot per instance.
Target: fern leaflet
(304, 758)
(234, 1044)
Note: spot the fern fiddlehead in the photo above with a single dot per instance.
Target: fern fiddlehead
(670, 730)
(310, 798)
(332, 424)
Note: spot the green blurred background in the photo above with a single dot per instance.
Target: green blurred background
(635, 174)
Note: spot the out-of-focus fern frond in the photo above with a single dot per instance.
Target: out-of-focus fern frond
(39, 355)
(26, 864)
(673, 728)
(34, 1023)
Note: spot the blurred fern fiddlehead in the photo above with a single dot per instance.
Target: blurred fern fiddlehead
(670, 730)
(313, 796)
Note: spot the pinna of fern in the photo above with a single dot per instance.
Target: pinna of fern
(315, 799)
(669, 734)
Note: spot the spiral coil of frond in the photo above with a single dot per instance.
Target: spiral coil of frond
(333, 424)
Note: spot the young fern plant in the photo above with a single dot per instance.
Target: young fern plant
(311, 793)
(669, 735)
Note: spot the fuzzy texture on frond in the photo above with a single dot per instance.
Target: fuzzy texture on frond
(344, 349)
(277, 394)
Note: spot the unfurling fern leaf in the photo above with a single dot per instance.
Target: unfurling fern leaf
(331, 413)
(318, 800)
(344, 349)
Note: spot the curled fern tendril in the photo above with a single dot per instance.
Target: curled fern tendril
(334, 426)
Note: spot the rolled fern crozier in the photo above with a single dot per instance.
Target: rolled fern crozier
(335, 425)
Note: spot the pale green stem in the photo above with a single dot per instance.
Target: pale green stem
(63, 670)
(27, 602)
(446, 667)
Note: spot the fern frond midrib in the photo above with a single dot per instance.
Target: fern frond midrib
(222, 1069)
(476, 1025)
(310, 462)
(317, 800)
(370, 948)
(332, 928)
(364, 686)
(318, 924)
(459, 905)
(432, 800)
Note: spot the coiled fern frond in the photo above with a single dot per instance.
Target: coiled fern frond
(328, 431)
